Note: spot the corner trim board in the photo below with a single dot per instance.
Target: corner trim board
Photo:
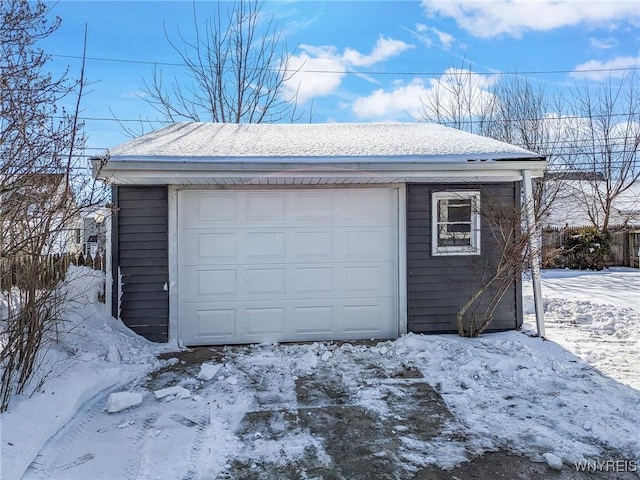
(402, 258)
(172, 231)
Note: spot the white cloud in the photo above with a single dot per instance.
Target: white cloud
(403, 100)
(489, 18)
(318, 71)
(419, 98)
(603, 44)
(616, 67)
(424, 33)
(385, 48)
(315, 72)
(445, 38)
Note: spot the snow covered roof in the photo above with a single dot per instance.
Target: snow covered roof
(576, 205)
(208, 147)
(375, 140)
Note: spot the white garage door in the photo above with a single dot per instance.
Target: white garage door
(286, 265)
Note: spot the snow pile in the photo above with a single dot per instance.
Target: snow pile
(526, 394)
(91, 352)
(87, 332)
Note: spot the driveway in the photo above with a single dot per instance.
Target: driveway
(321, 411)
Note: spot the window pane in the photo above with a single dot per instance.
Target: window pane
(460, 227)
(460, 211)
(449, 238)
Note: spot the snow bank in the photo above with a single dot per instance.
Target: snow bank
(90, 353)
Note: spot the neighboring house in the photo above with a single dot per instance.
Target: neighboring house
(575, 205)
(227, 233)
(35, 216)
(93, 233)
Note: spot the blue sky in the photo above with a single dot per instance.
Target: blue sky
(390, 53)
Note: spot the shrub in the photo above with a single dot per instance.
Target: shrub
(589, 248)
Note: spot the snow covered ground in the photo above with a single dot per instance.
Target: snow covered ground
(596, 316)
(505, 391)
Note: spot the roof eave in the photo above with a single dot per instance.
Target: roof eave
(145, 172)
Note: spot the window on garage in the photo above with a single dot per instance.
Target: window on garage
(456, 223)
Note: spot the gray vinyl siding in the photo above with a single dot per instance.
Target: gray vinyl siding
(140, 256)
(437, 286)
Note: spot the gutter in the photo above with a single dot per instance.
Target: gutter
(118, 169)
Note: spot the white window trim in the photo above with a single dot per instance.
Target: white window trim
(474, 248)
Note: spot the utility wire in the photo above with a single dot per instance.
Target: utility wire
(360, 72)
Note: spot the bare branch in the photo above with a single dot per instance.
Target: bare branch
(235, 66)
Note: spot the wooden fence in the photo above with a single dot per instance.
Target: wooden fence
(624, 248)
(42, 272)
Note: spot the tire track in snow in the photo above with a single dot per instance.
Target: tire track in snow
(132, 467)
(49, 461)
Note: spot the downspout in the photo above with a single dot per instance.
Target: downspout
(534, 248)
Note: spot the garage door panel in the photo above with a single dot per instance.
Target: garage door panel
(200, 208)
(265, 321)
(358, 207)
(314, 280)
(361, 280)
(264, 246)
(266, 281)
(216, 246)
(364, 319)
(215, 282)
(264, 207)
(216, 323)
(312, 245)
(287, 265)
(198, 247)
(370, 244)
(312, 206)
(313, 320)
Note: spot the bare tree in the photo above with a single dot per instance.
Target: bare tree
(513, 109)
(605, 132)
(237, 68)
(43, 186)
(459, 98)
(527, 115)
(509, 257)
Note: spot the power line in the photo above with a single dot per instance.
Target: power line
(448, 124)
(360, 72)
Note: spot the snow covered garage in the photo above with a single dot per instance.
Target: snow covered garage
(225, 233)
